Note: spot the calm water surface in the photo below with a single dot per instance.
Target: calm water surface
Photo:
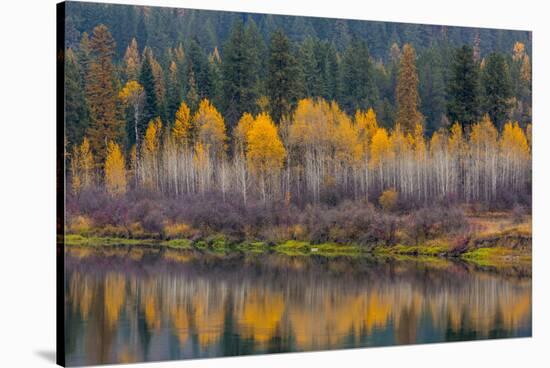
(133, 304)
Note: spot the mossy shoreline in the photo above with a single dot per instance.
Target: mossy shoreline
(498, 253)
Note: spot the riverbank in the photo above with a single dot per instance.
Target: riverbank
(494, 250)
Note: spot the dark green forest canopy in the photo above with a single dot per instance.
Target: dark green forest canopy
(161, 27)
(229, 59)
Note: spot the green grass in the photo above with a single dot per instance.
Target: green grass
(177, 243)
(496, 256)
(413, 250)
(252, 247)
(93, 241)
(301, 248)
(218, 244)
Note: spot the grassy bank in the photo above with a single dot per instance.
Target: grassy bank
(493, 250)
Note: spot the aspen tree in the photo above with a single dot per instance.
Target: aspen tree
(266, 152)
(115, 170)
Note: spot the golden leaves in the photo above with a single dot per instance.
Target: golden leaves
(115, 170)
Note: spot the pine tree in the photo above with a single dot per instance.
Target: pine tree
(174, 90)
(216, 77)
(310, 68)
(432, 89)
(76, 111)
(282, 86)
(240, 74)
(358, 88)
(497, 89)
(331, 74)
(406, 92)
(464, 89)
(150, 106)
(105, 124)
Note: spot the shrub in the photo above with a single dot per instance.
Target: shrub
(388, 199)
(178, 230)
(81, 225)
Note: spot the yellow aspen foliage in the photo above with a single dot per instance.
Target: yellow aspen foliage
(380, 148)
(131, 92)
(400, 143)
(115, 170)
(182, 129)
(513, 140)
(82, 165)
(519, 51)
(211, 128)
(152, 136)
(388, 199)
(314, 124)
(266, 152)
(437, 143)
(348, 149)
(76, 179)
(456, 139)
(241, 131)
(484, 133)
(419, 144)
(200, 156)
(366, 123)
(304, 117)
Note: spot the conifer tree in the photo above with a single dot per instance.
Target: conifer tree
(105, 124)
(282, 83)
(358, 88)
(497, 88)
(240, 66)
(464, 89)
(150, 106)
(76, 111)
(132, 62)
(406, 93)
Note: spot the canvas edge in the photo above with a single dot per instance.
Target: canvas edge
(60, 183)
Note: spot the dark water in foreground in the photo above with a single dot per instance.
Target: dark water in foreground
(128, 305)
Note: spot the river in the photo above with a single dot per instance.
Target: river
(132, 304)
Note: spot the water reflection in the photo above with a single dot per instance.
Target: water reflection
(128, 305)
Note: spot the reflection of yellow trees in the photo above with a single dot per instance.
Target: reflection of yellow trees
(115, 284)
(151, 310)
(261, 315)
(180, 321)
(314, 313)
(81, 292)
(208, 318)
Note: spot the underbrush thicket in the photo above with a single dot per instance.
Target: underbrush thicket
(145, 215)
